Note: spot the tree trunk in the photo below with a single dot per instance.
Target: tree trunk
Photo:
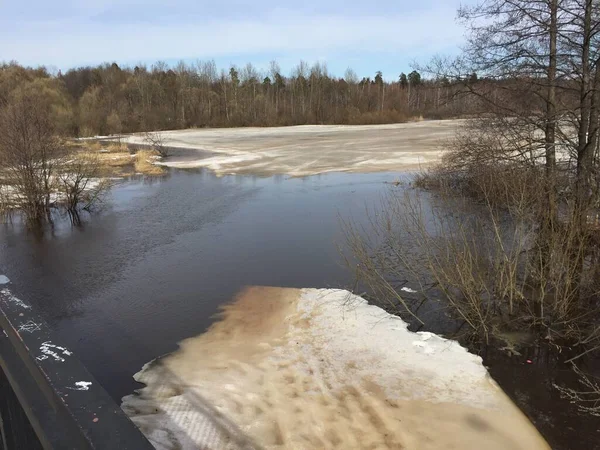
(550, 132)
(585, 147)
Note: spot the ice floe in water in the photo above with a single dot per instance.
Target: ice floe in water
(317, 369)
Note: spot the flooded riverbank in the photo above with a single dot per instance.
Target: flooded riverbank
(153, 268)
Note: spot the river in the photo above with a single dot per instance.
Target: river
(154, 265)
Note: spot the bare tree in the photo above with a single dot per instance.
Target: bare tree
(142, 99)
(156, 141)
(29, 153)
(581, 44)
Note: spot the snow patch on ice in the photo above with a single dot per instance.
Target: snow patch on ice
(81, 386)
(308, 149)
(216, 163)
(50, 350)
(11, 298)
(320, 369)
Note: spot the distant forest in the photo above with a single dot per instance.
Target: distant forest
(108, 99)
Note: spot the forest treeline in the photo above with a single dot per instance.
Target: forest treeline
(108, 99)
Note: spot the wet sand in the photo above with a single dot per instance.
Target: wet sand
(322, 369)
(309, 149)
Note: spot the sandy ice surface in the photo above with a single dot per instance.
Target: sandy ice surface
(309, 149)
(321, 369)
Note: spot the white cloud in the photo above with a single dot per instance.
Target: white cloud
(65, 43)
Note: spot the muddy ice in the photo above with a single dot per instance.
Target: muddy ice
(319, 369)
(309, 149)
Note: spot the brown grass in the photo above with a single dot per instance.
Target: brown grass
(115, 147)
(109, 159)
(118, 160)
(92, 146)
(99, 147)
(144, 163)
(115, 159)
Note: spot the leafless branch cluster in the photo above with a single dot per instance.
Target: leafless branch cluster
(156, 141)
(484, 260)
(587, 399)
(525, 252)
(80, 184)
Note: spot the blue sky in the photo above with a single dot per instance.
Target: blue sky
(386, 35)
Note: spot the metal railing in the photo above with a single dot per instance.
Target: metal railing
(48, 399)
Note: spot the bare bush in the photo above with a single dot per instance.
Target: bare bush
(156, 141)
(80, 185)
(486, 261)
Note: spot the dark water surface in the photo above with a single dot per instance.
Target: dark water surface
(154, 266)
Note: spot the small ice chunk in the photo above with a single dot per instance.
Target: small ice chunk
(4, 279)
(407, 289)
(83, 385)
